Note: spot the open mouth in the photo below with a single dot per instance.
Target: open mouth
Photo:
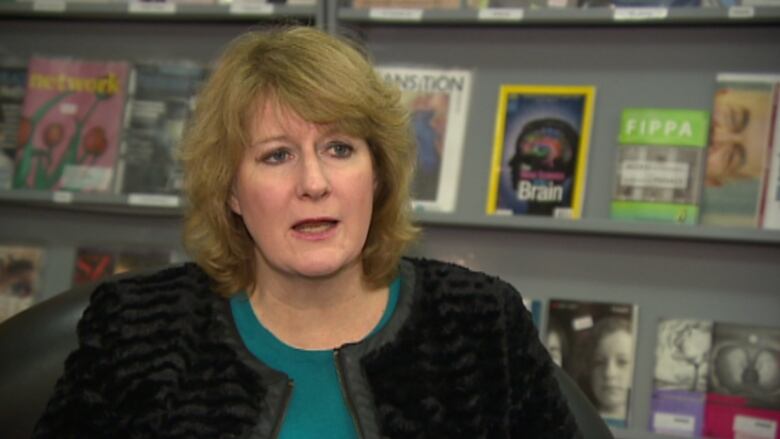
(315, 226)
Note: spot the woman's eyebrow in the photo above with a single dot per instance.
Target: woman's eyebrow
(272, 138)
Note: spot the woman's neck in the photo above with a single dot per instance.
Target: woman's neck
(316, 314)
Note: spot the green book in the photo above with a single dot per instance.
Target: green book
(660, 165)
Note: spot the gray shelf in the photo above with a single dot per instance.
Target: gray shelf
(130, 204)
(598, 226)
(170, 12)
(566, 16)
(622, 433)
(141, 205)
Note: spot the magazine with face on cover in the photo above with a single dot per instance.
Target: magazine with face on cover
(595, 343)
(21, 268)
(739, 149)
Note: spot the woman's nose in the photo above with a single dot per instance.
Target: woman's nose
(313, 179)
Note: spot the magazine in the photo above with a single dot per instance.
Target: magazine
(659, 165)
(438, 100)
(743, 398)
(770, 209)
(534, 306)
(595, 342)
(738, 152)
(540, 150)
(71, 122)
(680, 376)
(13, 77)
(20, 278)
(162, 97)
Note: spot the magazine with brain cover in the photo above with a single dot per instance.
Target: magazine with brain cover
(739, 150)
(20, 278)
(161, 99)
(71, 123)
(595, 343)
(438, 100)
(540, 150)
(660, 159)
(682, 356)
(13, 77)
(743, 386)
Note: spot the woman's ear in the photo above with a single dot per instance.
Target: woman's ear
(233, 202)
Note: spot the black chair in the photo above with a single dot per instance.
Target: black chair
(35, 343)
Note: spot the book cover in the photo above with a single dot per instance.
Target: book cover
(770, 210)
(13, 77)
(534, 306)
(20, 278)
(94, 264)
(595, 342)
(659, 168)
(540, 150)
(161, 99)
(438, 100)
(680, 376)
(743, 384)
(71, 123)
(738, 151)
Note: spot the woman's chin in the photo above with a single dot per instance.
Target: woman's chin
(322, 268)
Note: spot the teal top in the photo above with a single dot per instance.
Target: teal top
(317, 407)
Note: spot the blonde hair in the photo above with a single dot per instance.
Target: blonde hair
(325, 80)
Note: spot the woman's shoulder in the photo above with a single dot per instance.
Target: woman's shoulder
(162, 281)
(440, 277)
(153, 295)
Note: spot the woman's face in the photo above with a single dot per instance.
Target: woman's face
(611, 372)
(305, 193)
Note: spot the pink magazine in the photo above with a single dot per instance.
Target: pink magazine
(71, 121)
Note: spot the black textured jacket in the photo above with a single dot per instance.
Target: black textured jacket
(160, 356)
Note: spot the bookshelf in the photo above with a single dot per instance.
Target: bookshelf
(722, 274)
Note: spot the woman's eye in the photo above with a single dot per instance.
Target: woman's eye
(276, 156)
(340, 149)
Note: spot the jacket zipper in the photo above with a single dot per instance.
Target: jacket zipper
(282, 409)
(337, 358)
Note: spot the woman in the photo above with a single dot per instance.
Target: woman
(299, 318)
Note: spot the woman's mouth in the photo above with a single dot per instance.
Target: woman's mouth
(314, 226)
